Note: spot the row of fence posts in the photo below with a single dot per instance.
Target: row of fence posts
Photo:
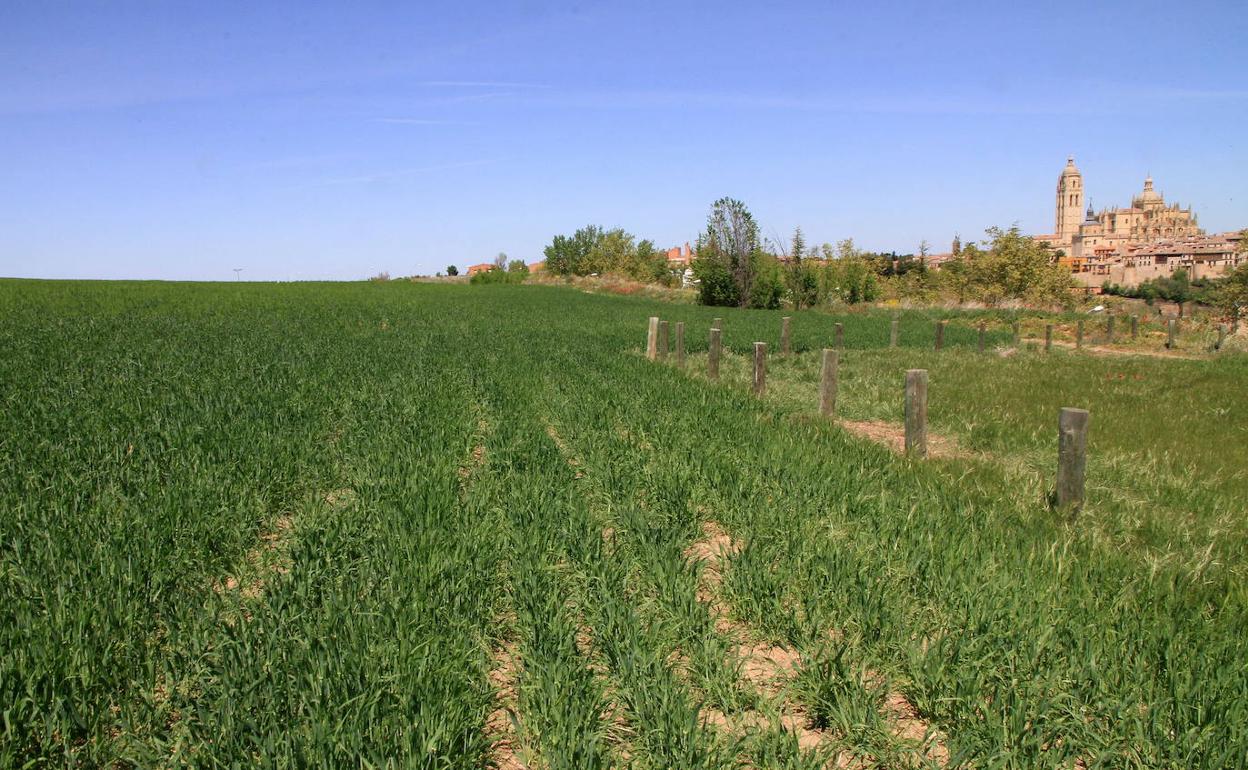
(1072, 423)
(657, 342)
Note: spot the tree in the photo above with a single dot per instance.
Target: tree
(570, 255)
(800, 279)
(518, 270)
(729, 253)
(500, 261)
(611, 252)
(452, 270)
(924, 249)
(1232, 293)
(1012, 267)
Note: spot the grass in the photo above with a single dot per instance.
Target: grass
(406, 483)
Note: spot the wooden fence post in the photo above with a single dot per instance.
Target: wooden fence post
(1221, 337)
(1235, 319)
(916, 413)
(785, 324)
(981, 336)
(1079, 334)
(1018, 335)
(892, 332)
(1135, 327)
(827, 383)
(1072, 451)
(760, 368)
(940, 334)
(717, 323)
(680, 344)
(1048, 337)
(662, 340)
(1109, 329)
(712, 358)
(652, 338)
(838, 336)
(1170, 332)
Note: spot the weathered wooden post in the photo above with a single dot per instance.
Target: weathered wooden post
(838, 336)
(892, 332)
(1170, 331)
(916, 413)
(760, 368)
(717, 323)
(662, 340)
(940, 334)
(1018, 334)
(1135, 327)
(784, 335)
(1048, 337)
(652, 338)
(1109, 329)
(1079, 334)
(981, 336)
(1221, 337)
(1235, 319)
(712, 358)
(827, 383)
(1072, 457)
(680, 344)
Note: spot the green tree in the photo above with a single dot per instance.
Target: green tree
(728, 255)
(767, 283)
(849, 276)
(452, 270)
(1012, 266)
(1231, 295)
(570, 255)
(612, 252)
(800, 278)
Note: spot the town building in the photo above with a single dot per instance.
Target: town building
(1125, 246)
(679, 256)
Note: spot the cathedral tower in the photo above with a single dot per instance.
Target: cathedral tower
(1069, 203)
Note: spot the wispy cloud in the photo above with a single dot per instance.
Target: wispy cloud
(479, 84)
(386, 176)
(297, 161)
(421, 122)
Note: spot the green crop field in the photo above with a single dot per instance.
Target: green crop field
(405, 525)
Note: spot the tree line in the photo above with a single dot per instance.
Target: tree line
(734, 267)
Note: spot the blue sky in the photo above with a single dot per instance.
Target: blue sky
(333, 141)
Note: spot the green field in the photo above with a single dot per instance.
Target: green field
(406, 525)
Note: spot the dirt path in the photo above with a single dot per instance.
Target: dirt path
(508, 752)
(1100, 350)
(769, 669)
(893, 436)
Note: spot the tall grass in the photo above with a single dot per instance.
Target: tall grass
(297, 525)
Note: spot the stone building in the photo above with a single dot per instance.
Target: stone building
(1083, 234)
(1125, 246)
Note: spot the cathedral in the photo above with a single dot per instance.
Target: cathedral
(1146, 220)
(1140, 242)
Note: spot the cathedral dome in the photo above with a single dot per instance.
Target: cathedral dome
(1070, 169)
(1149, 198)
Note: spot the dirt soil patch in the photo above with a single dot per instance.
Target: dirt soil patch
(1100, 350)
(500, 726)
(893, 436)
